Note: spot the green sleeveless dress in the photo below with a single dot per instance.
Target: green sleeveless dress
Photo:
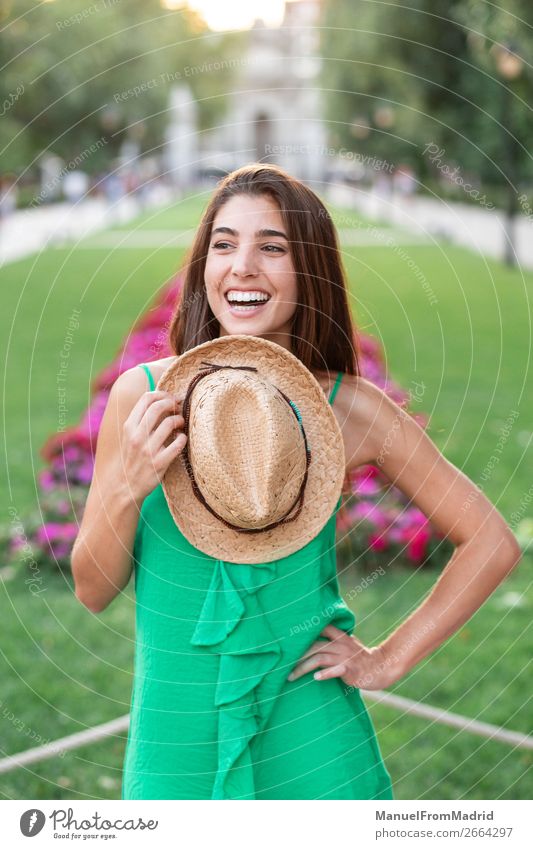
(213, 715)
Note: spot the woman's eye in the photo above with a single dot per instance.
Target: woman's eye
(268, 248)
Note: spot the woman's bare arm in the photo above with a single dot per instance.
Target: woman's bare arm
(485, 551)
(130, 460)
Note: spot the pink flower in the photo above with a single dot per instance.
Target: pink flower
(54, 531)
(377, 542)
(84, 473)
(47, 532)
(416, 550)
(70, 530)
(93, 418)
(411, 518)
(367, 483)
(417, 546)
(369, 511)
(46, 480)
(395, 535)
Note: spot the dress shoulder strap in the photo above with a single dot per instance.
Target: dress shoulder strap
(335, 388)
(150, 376)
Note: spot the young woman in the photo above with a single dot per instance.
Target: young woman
(265, 262)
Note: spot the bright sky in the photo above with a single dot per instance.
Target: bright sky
(233, 14)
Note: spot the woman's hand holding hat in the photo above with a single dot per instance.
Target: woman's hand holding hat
(151, 440)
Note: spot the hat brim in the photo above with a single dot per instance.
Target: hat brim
(326, 470)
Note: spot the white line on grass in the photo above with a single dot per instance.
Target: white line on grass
(444, 717)
(73, 741)
(455, 720)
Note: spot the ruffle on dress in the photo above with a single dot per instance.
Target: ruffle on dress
(232, 624)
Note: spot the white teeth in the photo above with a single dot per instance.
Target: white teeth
(235, 296)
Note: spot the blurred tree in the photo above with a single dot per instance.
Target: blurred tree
(365, 78)
(78, 64)
(427, 68)
(503, 123)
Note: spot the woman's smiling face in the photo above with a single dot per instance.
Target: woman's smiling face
(249, 253)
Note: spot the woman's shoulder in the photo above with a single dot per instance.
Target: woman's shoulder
(362, 401)
(134, 381)
(157, 367)
(367, 415)
(356, 407)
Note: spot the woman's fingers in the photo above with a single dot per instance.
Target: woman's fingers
(156, 412)
(164, 429)
(171, 451)
(312, 662)
(319, 653)
(141, 406)
(339, 638)
(333, 632)
(318, 646)
(332, 654)
(332, 672)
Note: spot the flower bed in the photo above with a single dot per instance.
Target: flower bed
(376, 523)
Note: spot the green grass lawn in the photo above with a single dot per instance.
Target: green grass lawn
(66, 669)
(470, 350)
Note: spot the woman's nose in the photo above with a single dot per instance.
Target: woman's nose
(245, 261)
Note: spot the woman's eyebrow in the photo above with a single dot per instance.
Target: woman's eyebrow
(265, 232)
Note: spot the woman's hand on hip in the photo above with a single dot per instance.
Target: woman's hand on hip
(344, 656)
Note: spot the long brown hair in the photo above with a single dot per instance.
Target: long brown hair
(322, 333)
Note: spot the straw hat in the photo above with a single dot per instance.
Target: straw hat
(263, 466)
